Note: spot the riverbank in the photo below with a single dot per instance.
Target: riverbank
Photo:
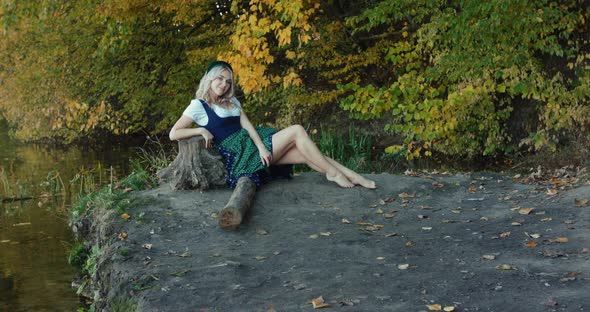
(474, 242)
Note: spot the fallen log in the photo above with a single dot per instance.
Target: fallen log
(233, 213)
(195, 167)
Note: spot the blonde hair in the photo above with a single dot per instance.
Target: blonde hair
(228, 99)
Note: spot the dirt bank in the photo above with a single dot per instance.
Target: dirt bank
(466, 241)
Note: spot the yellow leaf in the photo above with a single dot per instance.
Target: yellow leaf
(581, 202)
(406, 195)
(449, 309)
(125, 216)
(318, 303)
(122, 236)
(505, 267)
(525, 211)
(561, 240)
(434, 307)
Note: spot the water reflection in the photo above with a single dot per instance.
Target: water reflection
(34, 236)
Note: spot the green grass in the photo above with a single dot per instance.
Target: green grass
(77, 256)
(351, 149)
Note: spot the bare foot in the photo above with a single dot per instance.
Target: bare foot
(341, 180)
(364, 182)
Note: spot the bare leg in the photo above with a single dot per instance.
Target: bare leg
(295, 137)
(293, 156)
(353, 176)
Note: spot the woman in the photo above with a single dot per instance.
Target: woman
(250, 151)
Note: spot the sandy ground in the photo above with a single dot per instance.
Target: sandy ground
(461, 241)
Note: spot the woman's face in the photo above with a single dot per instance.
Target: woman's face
(222, 83)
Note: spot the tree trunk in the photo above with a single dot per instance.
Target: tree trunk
(195, 167)
(232, 215)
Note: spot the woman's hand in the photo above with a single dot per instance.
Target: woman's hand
(208, 137)
(265, 156)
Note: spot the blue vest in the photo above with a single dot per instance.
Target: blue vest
(221, 128)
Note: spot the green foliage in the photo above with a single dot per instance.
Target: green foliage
(91, 264)
(460, 66)
(77, 256)
(452, 77)
(122, 304)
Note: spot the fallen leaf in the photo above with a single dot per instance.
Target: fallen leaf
(525, 211)
(389, 199)
(426, 228)
(531, 244)
(551, 192)
(406, 195)
(504, 235)
(318, 303)
(535, 235)
(546, 219)
(260, 258)
(261, 231)
(567, 279)
(314, 236)
(345, 221)
(449, 309)
(409, 243)
(147, 246)
(325, 233)
(125, 216)
(581, 202)
(505, 267)
(438, 185)
(404, 266)
(382, 202)
(380, 258)
(560, 240)
(483, 219)
(185, 254)
(516, 224)
(488, 257)
(422, 216)
(472, 189)
(540, 213)
(388, 215)
(122, 236)
(434, 307)
(458, 210)
(379, 211)
(391, 235)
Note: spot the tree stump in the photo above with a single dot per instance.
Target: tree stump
(233, 213)
(195, 167)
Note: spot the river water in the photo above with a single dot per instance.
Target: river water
(34, 235)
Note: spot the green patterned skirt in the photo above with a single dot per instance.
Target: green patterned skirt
(242, 158)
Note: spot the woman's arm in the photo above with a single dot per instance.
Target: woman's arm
(182, 129)
(265, 155)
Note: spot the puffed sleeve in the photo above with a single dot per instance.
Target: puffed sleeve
(197, 113)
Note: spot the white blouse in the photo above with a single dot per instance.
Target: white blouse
(197, 113)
